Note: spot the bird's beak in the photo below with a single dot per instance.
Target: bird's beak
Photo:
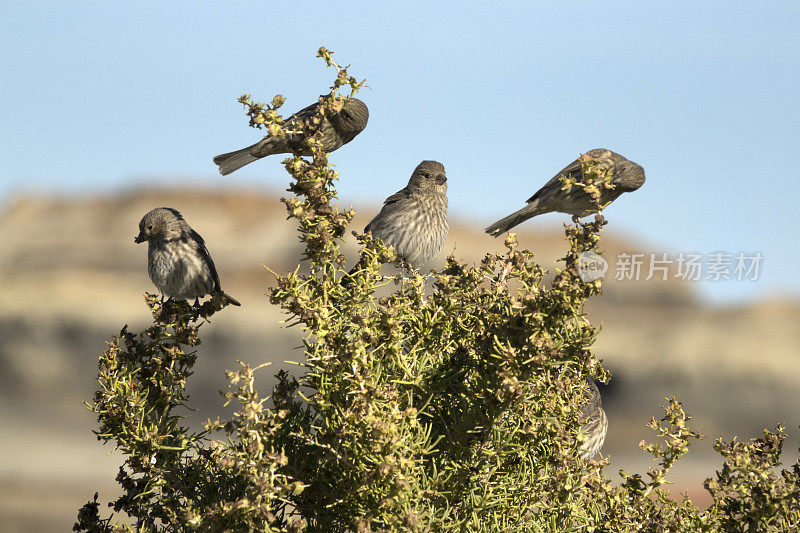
(440, 179)
(140, 238)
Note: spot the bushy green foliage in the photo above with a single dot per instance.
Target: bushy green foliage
(450, 403)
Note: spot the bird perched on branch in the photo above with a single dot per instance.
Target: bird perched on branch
(337, 129)
(178, 261)
(625, 176)
(414, 220)
(595, 425)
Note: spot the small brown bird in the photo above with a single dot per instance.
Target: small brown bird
(626, 176)
(178, 261)
(414, 220)
(337, 130)
(595, 425)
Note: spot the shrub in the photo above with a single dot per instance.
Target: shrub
(451, 403)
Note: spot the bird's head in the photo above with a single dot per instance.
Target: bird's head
(160, 223)
(631, 176)
(429, 176)
(352, 119)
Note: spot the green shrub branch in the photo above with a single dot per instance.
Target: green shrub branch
(447, 401)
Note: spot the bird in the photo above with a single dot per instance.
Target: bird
(626, 176)
(178, 261)
(595, 425)
(414, 219)
(338, 129)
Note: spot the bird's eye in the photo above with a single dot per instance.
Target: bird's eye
(149, 227)
(426, 175)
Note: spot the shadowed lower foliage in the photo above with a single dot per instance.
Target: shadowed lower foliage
(443, 402)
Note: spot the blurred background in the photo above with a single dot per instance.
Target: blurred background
(109, 110)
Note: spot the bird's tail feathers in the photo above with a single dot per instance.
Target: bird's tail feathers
(234, 160)
(518, 217)
(228, 299)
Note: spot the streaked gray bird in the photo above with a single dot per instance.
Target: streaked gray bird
(337, 130)
(595, 425)
(177, 258)
(626, 176)
(414, 219)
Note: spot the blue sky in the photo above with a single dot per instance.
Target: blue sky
(99, 96)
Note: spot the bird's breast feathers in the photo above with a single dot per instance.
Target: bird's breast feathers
(178, 270)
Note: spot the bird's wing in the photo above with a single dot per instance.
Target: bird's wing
(203, 251)
(390, 204)
(296, 120)
(306, 112)
(396, 197)
(572, 171)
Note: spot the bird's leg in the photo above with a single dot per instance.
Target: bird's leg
(405, 266)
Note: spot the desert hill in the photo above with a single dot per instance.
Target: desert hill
(72, 276)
